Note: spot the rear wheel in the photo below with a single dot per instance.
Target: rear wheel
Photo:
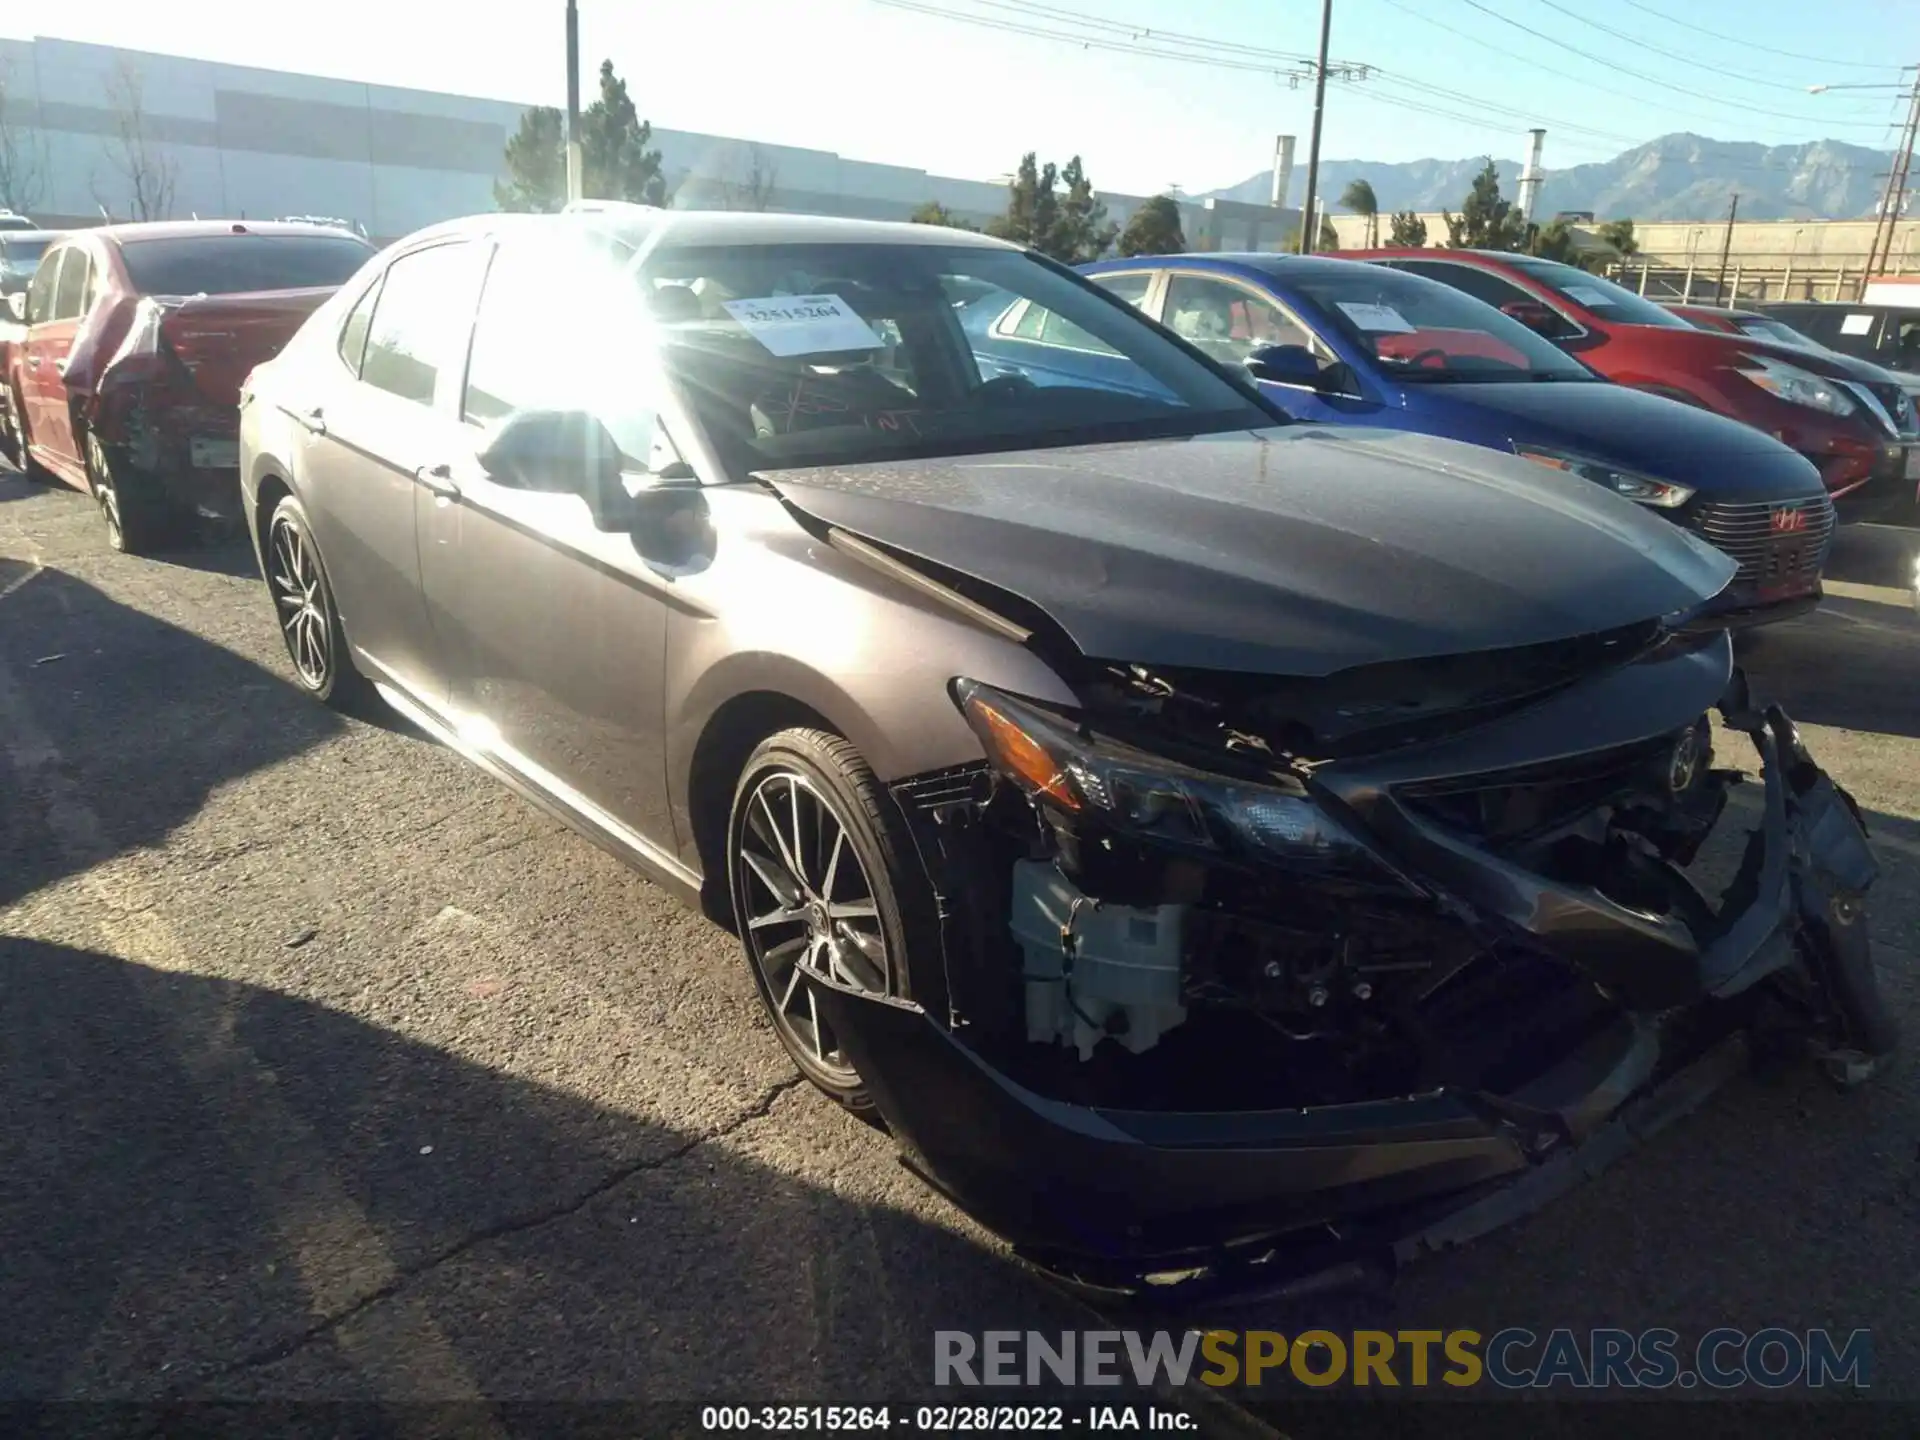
(138, 519)
(20, 454)
(826, 892)
(303, 604)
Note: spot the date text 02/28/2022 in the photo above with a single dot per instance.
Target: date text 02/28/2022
(945, 1419)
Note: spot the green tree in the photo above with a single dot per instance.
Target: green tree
(1154, 229)
(536, 164)
(932, 212)
(1360, 199)
(1554, 241)
(1407, 229)
(618, 165)
(1071, 228)
(613, 143)
(1083, 232)
(1619, 235)
(1487, 220)
(1329, 237)
(1033, 210)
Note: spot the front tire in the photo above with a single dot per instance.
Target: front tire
(827, 888)
(303, 606)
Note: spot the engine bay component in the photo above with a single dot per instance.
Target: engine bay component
(1092, 969)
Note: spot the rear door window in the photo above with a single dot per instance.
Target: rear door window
(1131, 287)
(70, 299)
(353, 334)
(40, 290)
(421, 319)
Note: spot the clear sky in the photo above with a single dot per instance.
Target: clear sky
(961, 87)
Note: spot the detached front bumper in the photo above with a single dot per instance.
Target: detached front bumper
(1106, 1194)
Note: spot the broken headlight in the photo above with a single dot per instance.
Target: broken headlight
(1058, 765)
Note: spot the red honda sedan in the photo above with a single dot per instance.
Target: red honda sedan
(1852, 419)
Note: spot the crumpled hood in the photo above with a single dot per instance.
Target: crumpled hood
(1288, 552)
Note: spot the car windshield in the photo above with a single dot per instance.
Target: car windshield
(802, 355)
(1774, 330)
(1421, 331)
(1592, 292)
(241, 264)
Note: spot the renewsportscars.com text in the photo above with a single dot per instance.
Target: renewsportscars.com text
(1513, 1359)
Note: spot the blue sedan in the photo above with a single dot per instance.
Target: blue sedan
(1345, 343)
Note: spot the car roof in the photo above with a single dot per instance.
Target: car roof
(636, 225)
(7, 237)
(209, 229)
(1268, 262)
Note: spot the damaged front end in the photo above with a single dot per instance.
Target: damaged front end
(1239, 969)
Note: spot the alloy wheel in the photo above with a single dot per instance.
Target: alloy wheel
(808, 913)
(293, 574)
(105, 495)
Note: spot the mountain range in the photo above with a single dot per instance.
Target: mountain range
(1676, 177)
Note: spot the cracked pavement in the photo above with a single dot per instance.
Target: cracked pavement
(330, 1069)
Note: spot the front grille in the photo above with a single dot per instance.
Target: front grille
(1752, 533)
(1503, 806)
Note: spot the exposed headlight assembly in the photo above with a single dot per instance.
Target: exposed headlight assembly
(1661, 494)
(1056, 765)
(1797, 386)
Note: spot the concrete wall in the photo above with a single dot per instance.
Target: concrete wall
(243, 142)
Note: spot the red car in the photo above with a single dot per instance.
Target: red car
(123, 376)
(1852, 419)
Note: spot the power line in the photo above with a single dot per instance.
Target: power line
(1668, 84)
(1544, 69)
(1641, 43)
(1754, 44)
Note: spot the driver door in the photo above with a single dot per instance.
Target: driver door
(555, 630)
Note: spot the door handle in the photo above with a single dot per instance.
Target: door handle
(314, 421)
(438, 479)
(33, 362)
(60, 368)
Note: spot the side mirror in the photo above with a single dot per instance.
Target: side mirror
(571, 452)
(1536, 316)
(17, 305)
(1284, 365)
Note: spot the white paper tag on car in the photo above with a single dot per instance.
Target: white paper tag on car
(803, 324)
(1376, 319)
(1856, 324)
(207, 454)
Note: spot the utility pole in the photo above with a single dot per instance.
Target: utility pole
(1726, 249)
(1307, 235)
(576, 162)
(1894, 200)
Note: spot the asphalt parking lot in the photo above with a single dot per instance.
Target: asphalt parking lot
(330, 1069)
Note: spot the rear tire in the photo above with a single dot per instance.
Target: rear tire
(303, 605)
(138, 519)
(825, 881)
(23, 455)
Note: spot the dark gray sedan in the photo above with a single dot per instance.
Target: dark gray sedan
(1179, 826)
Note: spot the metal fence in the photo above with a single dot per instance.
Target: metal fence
(1748, 284)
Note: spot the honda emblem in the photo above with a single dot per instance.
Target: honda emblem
(1786, 522)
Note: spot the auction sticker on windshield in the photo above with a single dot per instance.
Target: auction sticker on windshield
(1377, 319)
(804, 324)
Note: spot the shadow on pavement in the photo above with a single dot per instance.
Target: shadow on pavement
(219, 1191)
(125, 698)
